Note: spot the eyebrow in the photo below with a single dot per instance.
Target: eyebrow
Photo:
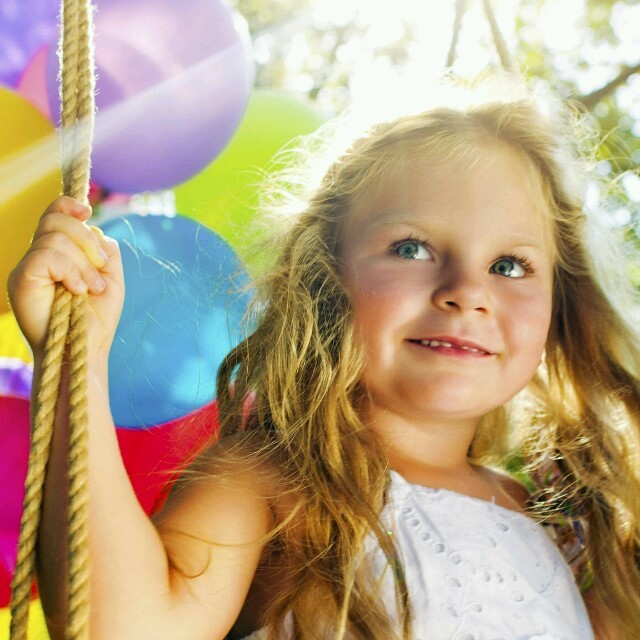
(391, 218)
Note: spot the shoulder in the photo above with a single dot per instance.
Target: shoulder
(225, 496)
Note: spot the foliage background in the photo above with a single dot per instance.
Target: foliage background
(587, 50)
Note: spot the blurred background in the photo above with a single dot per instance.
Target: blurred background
(333, 51)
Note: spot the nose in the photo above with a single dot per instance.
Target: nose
(461, 291)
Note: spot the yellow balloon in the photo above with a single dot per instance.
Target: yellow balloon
(12, 344)
(29, 178)
(37, 629)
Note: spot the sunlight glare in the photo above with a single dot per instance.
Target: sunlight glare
(431, 24)
(20, 171)
(557, 24)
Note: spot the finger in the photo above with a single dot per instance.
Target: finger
(57, 243)
(69, 206)
(79, 232)
(111, 247)
(47, 266)
(104, 241)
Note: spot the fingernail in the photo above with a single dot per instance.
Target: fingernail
(100, 284)
(80, 207)
(103, 255)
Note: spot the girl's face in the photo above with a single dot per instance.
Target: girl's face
(450, 273)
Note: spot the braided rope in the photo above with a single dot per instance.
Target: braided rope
(41, 435)
(78, 508)
(77, 89)
(457, 24)
(501, 46)
(67, 332)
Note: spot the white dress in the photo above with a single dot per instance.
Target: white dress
(477, 571)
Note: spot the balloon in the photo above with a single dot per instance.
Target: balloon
(151, 456)
(15, 378)
(33, 82)
(25, 25)
(12, 344)
(14, 438)
(183, 312)
(173, 83)
(224, 195)
(29, 178)
(37, 627)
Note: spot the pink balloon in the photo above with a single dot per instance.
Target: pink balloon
(32, 84)
(14, 444)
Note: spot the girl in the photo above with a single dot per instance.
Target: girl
(435, 311)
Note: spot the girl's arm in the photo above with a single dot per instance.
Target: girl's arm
(135, 593)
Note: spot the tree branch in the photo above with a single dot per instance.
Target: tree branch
(591, 99)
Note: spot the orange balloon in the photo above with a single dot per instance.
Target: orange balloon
(29, 178)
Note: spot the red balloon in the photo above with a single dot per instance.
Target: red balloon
(151, 456)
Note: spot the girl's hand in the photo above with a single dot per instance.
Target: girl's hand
(65, 249)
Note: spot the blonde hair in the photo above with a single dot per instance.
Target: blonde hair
(302, 369)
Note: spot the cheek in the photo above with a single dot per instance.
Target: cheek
(530, 325)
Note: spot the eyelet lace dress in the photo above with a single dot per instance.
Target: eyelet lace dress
(476, 570)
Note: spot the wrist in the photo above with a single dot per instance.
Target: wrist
(98, 372)
(97, 368)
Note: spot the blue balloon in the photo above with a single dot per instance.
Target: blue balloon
(184, 310)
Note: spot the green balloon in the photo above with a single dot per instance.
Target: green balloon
(224, 195)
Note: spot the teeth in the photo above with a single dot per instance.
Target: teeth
(448, 345)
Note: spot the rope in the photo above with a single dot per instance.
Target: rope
(457, 24)
(501, 47)
(67, 332)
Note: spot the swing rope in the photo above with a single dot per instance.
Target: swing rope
(457, 24)
(498, 40)
(66, 336)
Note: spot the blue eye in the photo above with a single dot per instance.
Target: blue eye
(510, 267)
(411, 250)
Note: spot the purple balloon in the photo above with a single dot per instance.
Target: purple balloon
(16, 377)
(25, 25)
(173, 82)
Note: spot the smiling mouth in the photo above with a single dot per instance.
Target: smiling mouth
(444, 346)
